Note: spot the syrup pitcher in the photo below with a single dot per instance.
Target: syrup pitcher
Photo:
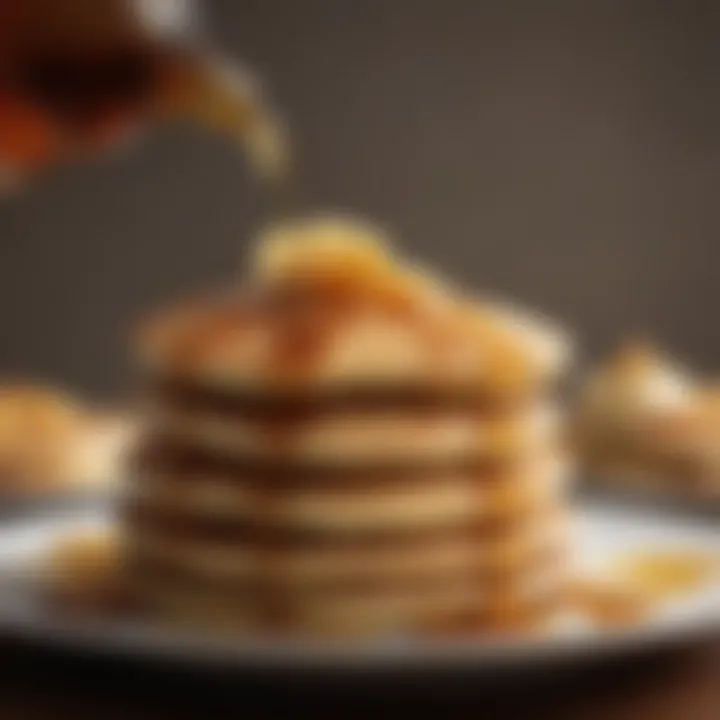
(77, 77)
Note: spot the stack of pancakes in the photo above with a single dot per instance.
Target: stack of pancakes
(348, 446)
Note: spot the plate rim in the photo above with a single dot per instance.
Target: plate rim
(134, 638)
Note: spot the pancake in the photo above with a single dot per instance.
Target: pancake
(434, 501)
(234, 531)
(334, 309)
(173, 457)
(329, 557)
(440, 564)
(356, 352)
(368, 437)
(308, 405)
(452, 496)
(350, 612)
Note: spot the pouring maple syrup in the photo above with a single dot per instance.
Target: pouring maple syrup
(76, 76)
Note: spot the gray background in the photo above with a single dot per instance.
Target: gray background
(562, 153)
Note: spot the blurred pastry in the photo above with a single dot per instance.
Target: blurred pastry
(103, 448)
(347, 445)
(689, 445)
(50, 441)
(645, 421)
(635, 383)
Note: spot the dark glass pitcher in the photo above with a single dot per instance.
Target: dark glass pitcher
(78, 76)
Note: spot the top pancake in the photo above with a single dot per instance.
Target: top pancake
(328, 309)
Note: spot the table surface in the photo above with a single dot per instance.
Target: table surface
(681, 684)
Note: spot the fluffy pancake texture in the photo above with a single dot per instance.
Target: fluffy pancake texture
(347, 444)
(328, 307)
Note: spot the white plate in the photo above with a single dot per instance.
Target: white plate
(603, 529)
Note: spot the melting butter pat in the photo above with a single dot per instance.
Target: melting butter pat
(669, 573)
(327, 246)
